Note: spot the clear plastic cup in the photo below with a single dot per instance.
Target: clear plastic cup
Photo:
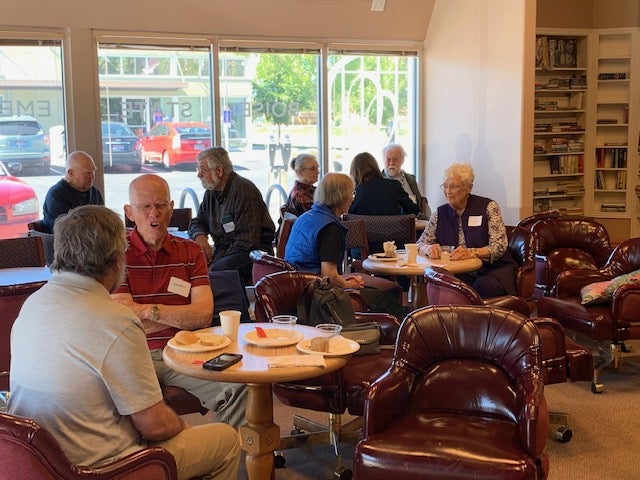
(286, 322)
(328, 329)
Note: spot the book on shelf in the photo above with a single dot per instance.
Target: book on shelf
(612, 76)
(613, 207)
(556, 52)
(566, 164)
(621, 182)
(607, 157)
(606, 121)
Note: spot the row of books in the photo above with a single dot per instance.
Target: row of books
(546, 205)
(611, 181)
(569, 188)
(558, 127)
(575, 82)
(613, 207)
(607, 157)
(612, 76)
(559, 164)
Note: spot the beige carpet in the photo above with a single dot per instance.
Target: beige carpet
(605, 443)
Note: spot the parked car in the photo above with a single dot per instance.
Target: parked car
(120, 146)
(175, 143)
(18, 204)
(23, 142)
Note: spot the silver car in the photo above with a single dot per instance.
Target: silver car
(23, 142)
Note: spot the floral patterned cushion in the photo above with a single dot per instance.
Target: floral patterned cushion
(601, 292)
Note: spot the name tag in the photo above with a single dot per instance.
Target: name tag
(227, 223)
(179, 287)
(475, 220)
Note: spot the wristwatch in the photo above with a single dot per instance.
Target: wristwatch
(155, 313)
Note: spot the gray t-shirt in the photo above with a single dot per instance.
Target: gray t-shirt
(80, 366)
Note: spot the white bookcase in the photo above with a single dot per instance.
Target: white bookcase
(586, 126)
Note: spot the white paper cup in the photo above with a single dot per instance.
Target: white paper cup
(446, 251)
(286, 322)
(412, 252)
(230, 321)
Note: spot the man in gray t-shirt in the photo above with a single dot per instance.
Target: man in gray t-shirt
(80, 366)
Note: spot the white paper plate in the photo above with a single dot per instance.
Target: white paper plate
(276, 337)
(345, 347)
(379, 257)
(198, 347)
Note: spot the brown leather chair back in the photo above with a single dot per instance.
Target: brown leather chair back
(277, 294)
(566, 243)
(28, 451)
(381, 228)
(455, 366)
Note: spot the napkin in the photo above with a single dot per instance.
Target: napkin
(296, 361)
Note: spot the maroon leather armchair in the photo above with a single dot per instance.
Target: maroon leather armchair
(612, 321)
(28, 451)
(561, 244)
(264, 264)
(562, 358)
(338, 391)
(463, 398)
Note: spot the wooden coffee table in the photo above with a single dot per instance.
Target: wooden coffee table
(260, 436)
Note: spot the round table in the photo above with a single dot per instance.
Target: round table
(399, 267)
(260, 436)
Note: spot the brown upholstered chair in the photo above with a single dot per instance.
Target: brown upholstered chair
(382, 228)
(463, 398)
(11, 299)
(565, 243)
(332, 393)
(28, 452)
(612, 321)
(22, 252)
(36, 229)
(521, 249)
(283, 237)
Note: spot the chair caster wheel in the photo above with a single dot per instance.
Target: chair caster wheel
(597, 387)
(343, 474)
(297, 431)
(278, 460)
(625, 348)
(563, 434)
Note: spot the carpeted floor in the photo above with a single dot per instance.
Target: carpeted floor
(605, 443)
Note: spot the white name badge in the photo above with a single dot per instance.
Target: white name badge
(179, 287)
(475, 220)
(229, 227)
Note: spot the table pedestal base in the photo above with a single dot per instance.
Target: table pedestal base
(260, 436)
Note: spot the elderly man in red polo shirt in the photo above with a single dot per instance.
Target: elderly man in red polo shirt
(167, 286)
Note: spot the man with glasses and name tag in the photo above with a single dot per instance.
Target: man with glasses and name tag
(233, 213)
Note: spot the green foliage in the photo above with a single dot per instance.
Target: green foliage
(288, 80)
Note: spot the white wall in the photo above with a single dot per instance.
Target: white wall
(476, 109)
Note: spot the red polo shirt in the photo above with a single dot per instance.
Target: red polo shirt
(148, 274)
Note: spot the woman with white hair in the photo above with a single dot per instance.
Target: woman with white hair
(474, 226)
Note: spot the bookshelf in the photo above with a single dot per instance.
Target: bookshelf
(611, 74)
(561, 94)
(586, 129)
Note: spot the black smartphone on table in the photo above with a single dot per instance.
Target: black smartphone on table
(222, 361)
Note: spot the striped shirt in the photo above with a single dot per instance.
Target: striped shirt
(148, 274)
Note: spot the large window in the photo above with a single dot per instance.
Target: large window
(164, 100)
(32, 119)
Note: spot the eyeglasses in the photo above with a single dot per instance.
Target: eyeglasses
(146, 207)
(202, 170)
(451, 187)
(315, 168)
